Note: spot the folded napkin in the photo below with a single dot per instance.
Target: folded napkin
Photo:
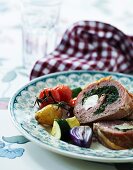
(89, 45)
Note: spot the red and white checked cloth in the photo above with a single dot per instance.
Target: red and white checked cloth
(89, 45)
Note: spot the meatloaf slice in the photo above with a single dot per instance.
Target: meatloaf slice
(105, 99)
(130, 117)
(115, 134)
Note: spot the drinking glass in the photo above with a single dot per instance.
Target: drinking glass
(39, 23)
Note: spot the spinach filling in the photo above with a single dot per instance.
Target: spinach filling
(111, 93)
(124, 127)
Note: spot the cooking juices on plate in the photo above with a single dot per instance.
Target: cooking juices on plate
(102, 109)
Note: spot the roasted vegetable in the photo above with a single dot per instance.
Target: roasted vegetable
(76, 91)
(81, 136)
(64, 91)
(59, 93)
(73, 121)
(54, 95)
(47, 114)
(72, 102)
(60, 129)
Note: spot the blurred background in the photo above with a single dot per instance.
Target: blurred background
(12, 74)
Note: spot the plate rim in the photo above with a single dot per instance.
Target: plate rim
(58, 150)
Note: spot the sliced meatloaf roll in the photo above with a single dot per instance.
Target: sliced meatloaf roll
(130, 117)
(115, 134)
(105, 99)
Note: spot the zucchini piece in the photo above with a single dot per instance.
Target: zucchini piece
(73, 121)
(60, 129)
(56, 131)
(76, 91)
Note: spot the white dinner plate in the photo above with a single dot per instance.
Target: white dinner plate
(22, 114)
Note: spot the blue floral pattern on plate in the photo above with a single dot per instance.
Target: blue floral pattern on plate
(22, 113)
(6, 149)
